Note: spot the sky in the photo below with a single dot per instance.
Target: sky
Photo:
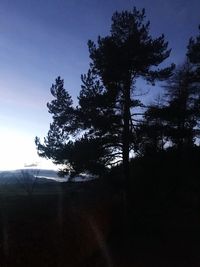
(43, 39)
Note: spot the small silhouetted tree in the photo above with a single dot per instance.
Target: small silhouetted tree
(27, 179)
(182, 112)
(57, 144)
(193, 55)
(65, 143)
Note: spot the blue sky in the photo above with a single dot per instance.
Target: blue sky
(40, 40)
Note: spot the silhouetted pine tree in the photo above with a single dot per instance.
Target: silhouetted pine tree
(128, 53)
(182, 112)
(193, 55)
(106, 112)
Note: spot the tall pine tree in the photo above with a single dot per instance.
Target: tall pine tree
(118, 60)
(107, 107)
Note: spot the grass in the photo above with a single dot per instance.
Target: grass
(80, 224)
(59, 225)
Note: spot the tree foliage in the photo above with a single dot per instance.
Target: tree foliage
(106, 125)
(175, 121)
(117, 60)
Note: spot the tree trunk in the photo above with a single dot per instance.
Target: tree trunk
(126, 144)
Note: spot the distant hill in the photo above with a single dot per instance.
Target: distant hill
(43, 175)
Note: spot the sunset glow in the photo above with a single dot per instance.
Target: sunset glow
(18, 150)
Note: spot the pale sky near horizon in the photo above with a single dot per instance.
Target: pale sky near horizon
(40, 40)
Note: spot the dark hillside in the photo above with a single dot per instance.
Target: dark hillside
(63, 228)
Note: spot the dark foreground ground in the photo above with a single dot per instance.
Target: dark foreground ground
(81, 225)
